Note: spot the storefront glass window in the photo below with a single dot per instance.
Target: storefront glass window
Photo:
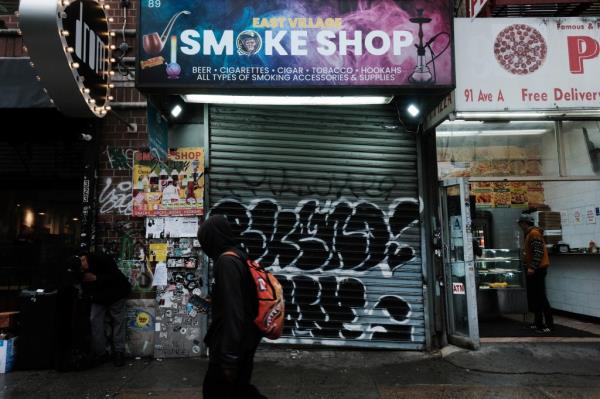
(581, 143)
(496, 149)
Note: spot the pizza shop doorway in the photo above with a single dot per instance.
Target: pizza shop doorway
(551, 171)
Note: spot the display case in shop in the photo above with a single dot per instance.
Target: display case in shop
(500, 283)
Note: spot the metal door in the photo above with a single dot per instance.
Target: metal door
(327, 198)
(459, 266)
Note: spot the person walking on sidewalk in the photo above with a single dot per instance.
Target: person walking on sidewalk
(107, 289)
(536, 262)
(232, 336)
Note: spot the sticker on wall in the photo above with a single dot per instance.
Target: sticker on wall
(590, 215)
(458, 289)
(456, 227)
(564, 218)
(577, 216)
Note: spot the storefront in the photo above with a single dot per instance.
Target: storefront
(329, 197)
(326, 196)
(41, 173)
(523, 128)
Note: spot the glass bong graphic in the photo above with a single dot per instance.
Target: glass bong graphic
(422, 73)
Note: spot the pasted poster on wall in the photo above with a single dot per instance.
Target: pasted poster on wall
(289, 44)
(174, 187)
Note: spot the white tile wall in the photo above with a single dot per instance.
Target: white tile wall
(570, 196)
(573, 284)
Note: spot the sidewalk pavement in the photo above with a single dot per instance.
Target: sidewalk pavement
(524, 371)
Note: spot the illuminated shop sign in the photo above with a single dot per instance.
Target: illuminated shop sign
(284, 44)
(527, 63)
(69, 46)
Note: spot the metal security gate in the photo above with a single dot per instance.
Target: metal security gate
(328, 199)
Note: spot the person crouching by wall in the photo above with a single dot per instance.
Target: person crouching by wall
(107, 289)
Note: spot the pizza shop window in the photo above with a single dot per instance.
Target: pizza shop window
(497, 149)
(581, 146)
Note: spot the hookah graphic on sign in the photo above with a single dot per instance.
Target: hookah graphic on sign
(422, 73)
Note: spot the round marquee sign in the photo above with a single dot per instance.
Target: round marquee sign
(69, 44)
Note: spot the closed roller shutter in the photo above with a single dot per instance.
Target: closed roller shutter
(328, 199)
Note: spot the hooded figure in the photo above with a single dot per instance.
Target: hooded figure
(232, 336)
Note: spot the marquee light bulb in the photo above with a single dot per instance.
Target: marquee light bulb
(64, 32)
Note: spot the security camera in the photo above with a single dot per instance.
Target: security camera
(85, 137)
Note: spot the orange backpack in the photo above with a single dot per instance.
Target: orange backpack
(271, 306)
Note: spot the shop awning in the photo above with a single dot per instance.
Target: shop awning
(19, 87)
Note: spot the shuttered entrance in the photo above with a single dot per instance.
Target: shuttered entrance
(328, 199)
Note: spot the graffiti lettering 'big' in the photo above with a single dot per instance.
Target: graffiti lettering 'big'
(330, 259)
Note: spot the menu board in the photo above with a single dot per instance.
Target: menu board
(515, 194)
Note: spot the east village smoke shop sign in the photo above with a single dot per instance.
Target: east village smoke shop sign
(291, 44)
(527, 63)
(69, 46)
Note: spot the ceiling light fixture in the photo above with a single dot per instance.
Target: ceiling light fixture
(176, 111)
(413, 110)
(487, 133)
(286, 100)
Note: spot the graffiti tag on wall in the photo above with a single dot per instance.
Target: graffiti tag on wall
(331, 258)
(281, 181)
(116, 198)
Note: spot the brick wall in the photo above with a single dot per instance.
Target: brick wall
(116, 150)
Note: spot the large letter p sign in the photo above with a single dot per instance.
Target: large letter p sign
(581, 48)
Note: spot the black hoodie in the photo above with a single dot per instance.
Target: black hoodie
(110, 286)
(232, 334)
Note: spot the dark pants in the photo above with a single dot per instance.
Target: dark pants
(216, 385)
(118, 314)
(538, 301)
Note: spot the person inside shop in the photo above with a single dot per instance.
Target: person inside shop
(107, 289)
(536, 262)
(232, 336)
